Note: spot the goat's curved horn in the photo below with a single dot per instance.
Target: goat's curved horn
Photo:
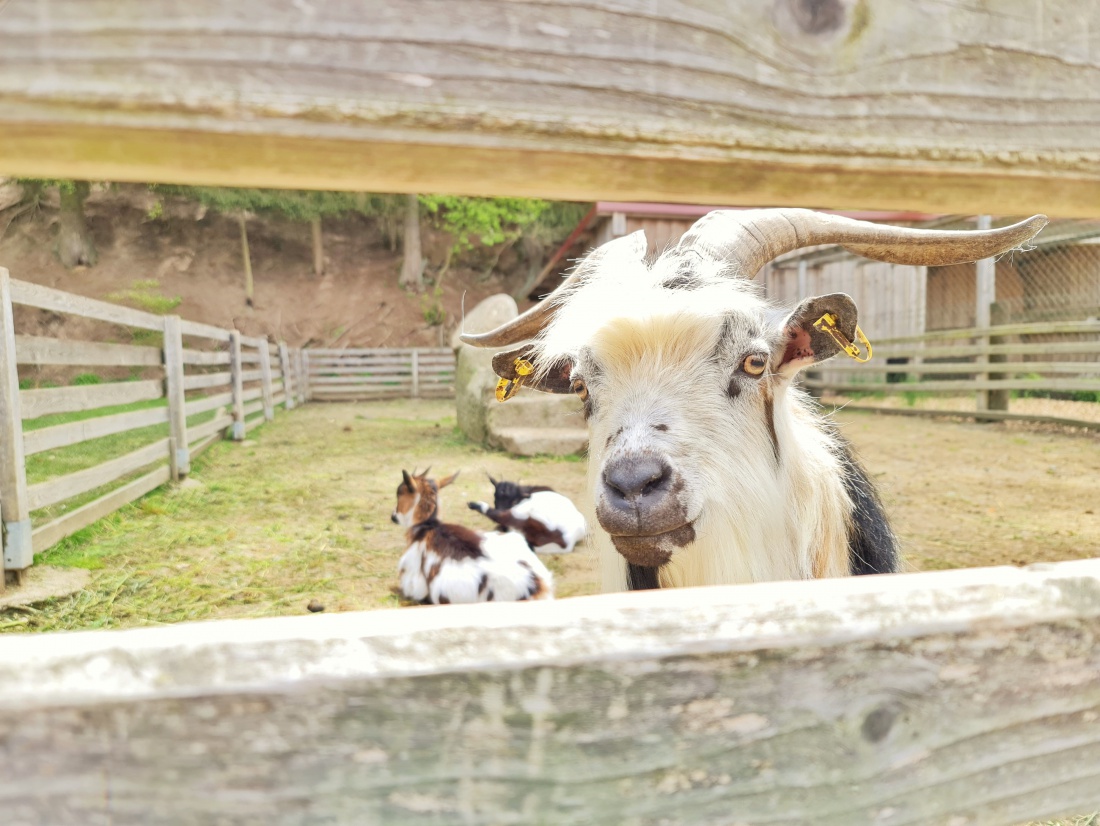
(747, 240)
(524, 326)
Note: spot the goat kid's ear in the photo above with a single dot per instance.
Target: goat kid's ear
(408, 479)
(556, 380)
(444, 482)
(801, 344)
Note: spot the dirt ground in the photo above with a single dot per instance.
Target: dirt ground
(300, 512)
(194, 254)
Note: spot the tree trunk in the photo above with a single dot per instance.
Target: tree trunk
(246, 258)
(412, 267)
(74, 243)
(318, 247)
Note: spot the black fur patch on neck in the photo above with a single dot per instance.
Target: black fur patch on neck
(639, 578)
(872, 546)
(769, 419)
(507, 495)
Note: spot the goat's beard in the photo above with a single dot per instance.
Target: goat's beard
(656, 550)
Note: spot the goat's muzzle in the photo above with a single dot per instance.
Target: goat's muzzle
(640, 507)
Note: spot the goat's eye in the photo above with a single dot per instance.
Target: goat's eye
(754, 365)
(581, 389)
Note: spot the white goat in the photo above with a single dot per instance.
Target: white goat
(447, 563)
(706, 465)
(549, 521)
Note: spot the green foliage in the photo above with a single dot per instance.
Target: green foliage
(490, 220)
(296, 205)
(155, 211)
(87, 378)
(431, 307)
(144, 295)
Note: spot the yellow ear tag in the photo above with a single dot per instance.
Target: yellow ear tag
(827, 324)
(506, 388)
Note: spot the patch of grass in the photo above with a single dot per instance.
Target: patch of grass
(299, 511)
(87, 378)
(144, 294)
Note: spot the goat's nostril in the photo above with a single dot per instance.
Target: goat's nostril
(631, 477)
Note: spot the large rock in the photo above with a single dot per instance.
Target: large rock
(530, 423)
(475, 380)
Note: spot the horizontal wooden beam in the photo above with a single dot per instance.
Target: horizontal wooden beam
(966, 696)
(900, 104)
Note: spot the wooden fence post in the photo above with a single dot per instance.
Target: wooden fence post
(14, 506)
(286, 370)
(180, 460)
(416, 373)
(265, 381)
(238, 384)
(985, 273)
(305, 376)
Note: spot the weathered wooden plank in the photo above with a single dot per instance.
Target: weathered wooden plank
(253, 407)
(175, 385)
(64, 487)
(40, 350)
(216, 425)
(209, 403)
(255, 342)
(984, 415)
(199, 330)
(1032, 348)
(830, 702)
(53, 532)
(1030, 328)
(397, 380)
(200, 381)
(630, 101)
(42, 402)
(15, 542)
(286, 369)
(265, 382)
(381, 370)
(47, 298)
(968, 367)
(238, 386)
(378, 351)
(199, 357)
(252, 394)
(71, 433)
(251, 375)
(959, 385)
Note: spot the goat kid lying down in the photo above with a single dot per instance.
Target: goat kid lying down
(549, 521)
(446, 563)
(707, 464)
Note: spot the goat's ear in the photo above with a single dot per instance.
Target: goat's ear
(408, 480)
(444, 482)
(492, 480)
(802, 344)
(556, 379)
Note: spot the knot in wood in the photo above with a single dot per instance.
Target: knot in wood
(876, 725)
(817, 16)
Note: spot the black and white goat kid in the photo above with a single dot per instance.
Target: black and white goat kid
(707, 465)
(549, 521)
(446, 563)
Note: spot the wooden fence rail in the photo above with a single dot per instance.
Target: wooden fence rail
(227, 400)
(372, 373)
(1047, 357)
(957, 697)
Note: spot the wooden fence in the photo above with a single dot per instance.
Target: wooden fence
(364, 374)
(990, 362)
(955, 699)
(196, 383)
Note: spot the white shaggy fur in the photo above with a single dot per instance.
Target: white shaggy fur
(508, 563)
(656, 356)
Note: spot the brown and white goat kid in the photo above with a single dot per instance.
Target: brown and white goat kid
(447, 563)
(706, 464)
(548, 520)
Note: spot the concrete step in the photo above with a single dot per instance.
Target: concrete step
(530, 408)
(532, 441)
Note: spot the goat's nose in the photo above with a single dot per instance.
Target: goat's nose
(630, 479)
(393, 518)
